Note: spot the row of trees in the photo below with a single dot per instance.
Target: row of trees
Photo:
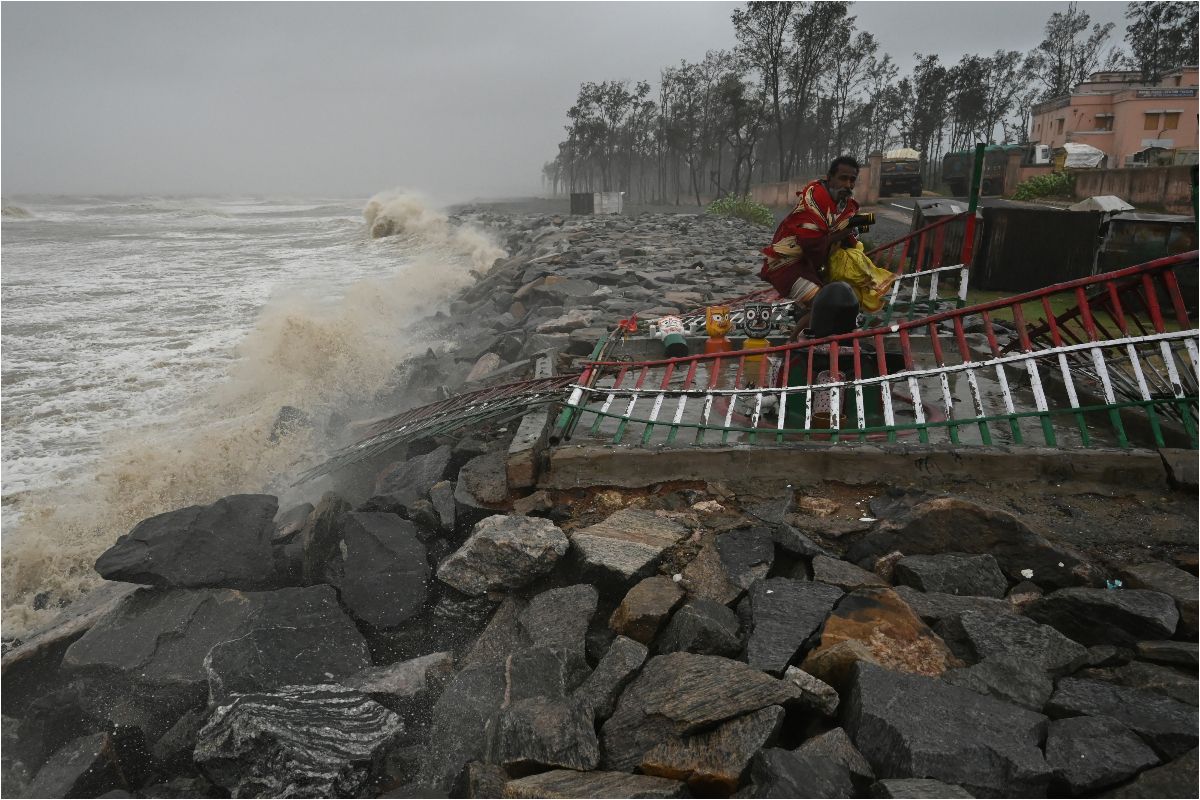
(804, 83)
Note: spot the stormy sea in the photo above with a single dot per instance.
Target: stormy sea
(150, 343)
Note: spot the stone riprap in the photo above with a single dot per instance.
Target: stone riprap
(426, 629)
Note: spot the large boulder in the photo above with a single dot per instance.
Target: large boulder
(945, 525)
(382, 570)
(404, 682)
(775, 772)
(1092, 753)
(537, 733)
(1102, 616)
(457, 735)
(975, 636)
(715, 760)
(952, 573)
(1167, 725)
(504, 552)
(1181, 586)
(1173, 683)
(226, 544)
(599, 692)
(835, 747)
(560, 617)
(321, 536)
(912, 726)
(481, 489)
(85, 767)
(680, 694)
(784, 614)
(625, 546)
(747, 554)
(933, 607)
(701, 626)
(1011, 679)
(413, 478)
(646, 607)
(1174, 779)
(300, 741)
(843, 574)
(143, 664)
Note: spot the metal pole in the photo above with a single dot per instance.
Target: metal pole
(968, 249)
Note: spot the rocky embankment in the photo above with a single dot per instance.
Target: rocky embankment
(424, 629)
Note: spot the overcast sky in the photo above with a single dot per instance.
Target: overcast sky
(457, 100)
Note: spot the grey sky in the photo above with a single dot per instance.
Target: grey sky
(453, 99)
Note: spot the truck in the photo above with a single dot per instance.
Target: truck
(956, 170)
(900, 173)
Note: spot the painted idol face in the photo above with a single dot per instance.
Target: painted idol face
(717, 321)
(669, 325)
(756, 319)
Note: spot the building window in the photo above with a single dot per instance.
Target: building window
(1171, 120)
(1060, 125)
(1178, 78)
(1104, 123)
(1151, 123)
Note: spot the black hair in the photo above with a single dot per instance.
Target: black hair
(849, 161)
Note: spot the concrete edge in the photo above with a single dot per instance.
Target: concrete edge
(576, 466)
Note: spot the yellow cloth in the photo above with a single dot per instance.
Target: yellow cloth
(870, 283)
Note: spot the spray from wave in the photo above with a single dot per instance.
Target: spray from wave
(319, 357)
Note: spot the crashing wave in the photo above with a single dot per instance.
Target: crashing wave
(396, 213)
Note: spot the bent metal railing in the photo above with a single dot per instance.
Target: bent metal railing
(1124, 376)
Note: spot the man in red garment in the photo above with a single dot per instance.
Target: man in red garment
(797, 256)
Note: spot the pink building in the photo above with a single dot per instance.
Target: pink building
(1117, 113)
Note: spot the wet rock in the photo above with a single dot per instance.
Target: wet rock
(291, 522)
(705, 576)
(487, 364)
(143, 664)
(1167, 725)
(1023, 595)
(975, 636)
(460, 718)
(835, 747)
(1102, 616)
(910, 725)
(536, 733)
(568, 783)
(482, 488)
(891, 632)
(843, 574)
(701, 626)
(783, 615)
(599, 692)
(715, 760)
(798, 543)
(680, 694)
(796, 773)
(302, 741)
(269, 658)
(560, 617)
(952, 573)
(936, 606)
(1005, 678)
(14, 770)
(321, 535)
(817, 695)
(1184, 654)
(626, 545)
(225, 545)
(1107, 655)
(414, 477)
(1174, 779)
(1182, 587)
(486, 780)
(404, 681)
(835, 665)
(645, 607)
(746, 554)
(51, 721)
(916, 787)
(441, 495)
(504, 552)
(173, 750)
(85, 767)
(945, 525)
(1164, 680)
(1092, 753)
(381, 570)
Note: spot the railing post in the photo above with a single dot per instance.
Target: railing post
(968, 250)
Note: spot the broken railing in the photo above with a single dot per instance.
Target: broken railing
(1116, 367)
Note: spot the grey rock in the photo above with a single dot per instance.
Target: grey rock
(301, 741)
(952, 573)
(646, 607)
(747, 555)
(911, 725)
(441, 494)
(225, 545)
(835, 747)
(784, 614)
(291, 522)
(543, 672)
(599, 692)
(143, 664)
(683, 693)
(796, 773)
(414, 477)
(173, 750)
(1103, 616)
(560, 617)
(916, 787)
(1013, 680)
(625, 546)
(571, 783)
(1181, 586)
(502, 636)
(1166, 681)
(504, 552)
(543, 732)
(14, 770)
(713, 761)
(701, 626)
(843, 574)
(1108, 655)
(933, 607)
(797, 543)
(381, 571)
(269, 658)
(460, 717)
(817, 695)
(1092, 753)
(1185, 654)
(405, 680)
(1174, 779)
(1167, 725)
(321, 536)
(84, 767)
(481, 489)
(975, 636)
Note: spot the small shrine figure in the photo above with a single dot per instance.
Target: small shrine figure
(717, 323)
(671, 331)
(756, 323)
